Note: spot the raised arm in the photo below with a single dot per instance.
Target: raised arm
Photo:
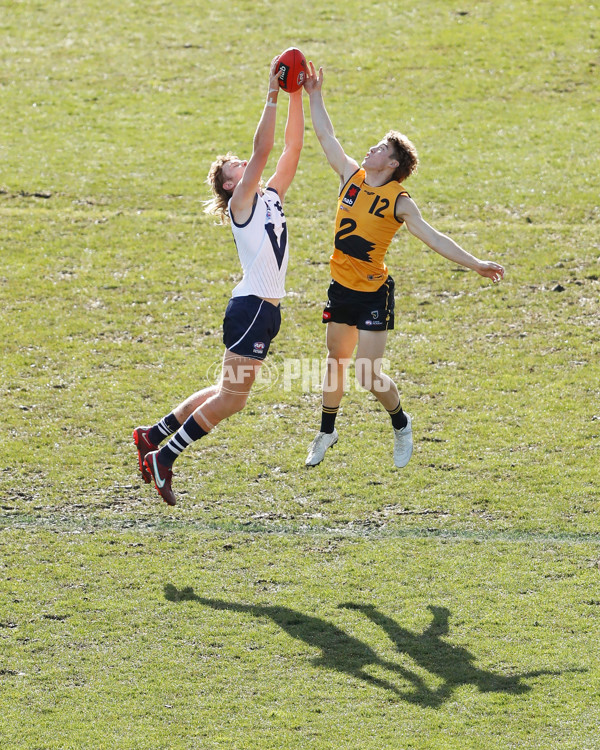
(408, 211)
(264, 137)
(343, 164)
(293, 141)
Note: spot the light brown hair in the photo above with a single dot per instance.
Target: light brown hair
(405, 153)
(217, 205)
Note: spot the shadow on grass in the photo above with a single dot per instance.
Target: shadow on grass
(453, 665)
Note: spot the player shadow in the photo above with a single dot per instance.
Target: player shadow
(344, 653)
(339, 651)
(453, 665)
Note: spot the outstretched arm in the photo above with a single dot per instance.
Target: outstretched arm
(407, 211)
(343, 164)
(294, 139)
(264, 137)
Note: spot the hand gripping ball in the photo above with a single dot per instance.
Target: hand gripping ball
(293, 69)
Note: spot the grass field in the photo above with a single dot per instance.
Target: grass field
(454, 604)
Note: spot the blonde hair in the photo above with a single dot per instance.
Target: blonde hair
(405, 153)
(217, 205)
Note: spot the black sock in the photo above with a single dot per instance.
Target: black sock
(163, 429)
(399, 420)
(328, 416)
(187, 433)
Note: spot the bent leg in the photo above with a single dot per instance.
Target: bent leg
(231, 394)
(189, 406)
(228, 397)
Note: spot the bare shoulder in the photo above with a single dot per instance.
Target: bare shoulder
(406, 207)
(241, 205)
(351, 166)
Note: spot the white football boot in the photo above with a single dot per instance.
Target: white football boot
(403, 444)
(316, 452)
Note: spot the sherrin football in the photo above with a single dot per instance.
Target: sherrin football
(292, 65)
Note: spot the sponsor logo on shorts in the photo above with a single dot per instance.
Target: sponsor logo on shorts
(374, 314)
(258, 347)
(326, 315)
(351, 195)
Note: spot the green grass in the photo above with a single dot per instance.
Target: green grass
(173, 637)
(218, 624)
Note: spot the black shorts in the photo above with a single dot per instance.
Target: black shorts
(368, 311)
(249, 326)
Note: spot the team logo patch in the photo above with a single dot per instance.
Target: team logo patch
(374, 314)
(351, 195)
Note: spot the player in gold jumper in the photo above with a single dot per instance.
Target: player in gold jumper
(372, 206)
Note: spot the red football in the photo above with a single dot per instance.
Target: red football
(292, 65)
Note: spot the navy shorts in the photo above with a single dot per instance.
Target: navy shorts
(367, 311)
(249, 326)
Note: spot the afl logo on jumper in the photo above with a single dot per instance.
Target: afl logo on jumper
(351, 195)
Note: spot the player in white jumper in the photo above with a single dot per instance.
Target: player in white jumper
(253, 317)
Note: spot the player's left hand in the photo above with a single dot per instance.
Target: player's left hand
(491, 270)
(274, 74)
(313, 80)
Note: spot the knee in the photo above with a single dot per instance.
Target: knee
(222, 406)
(233, 403)
(368, 377)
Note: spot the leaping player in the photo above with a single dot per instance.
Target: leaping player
(372, 206)
(253, 316)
